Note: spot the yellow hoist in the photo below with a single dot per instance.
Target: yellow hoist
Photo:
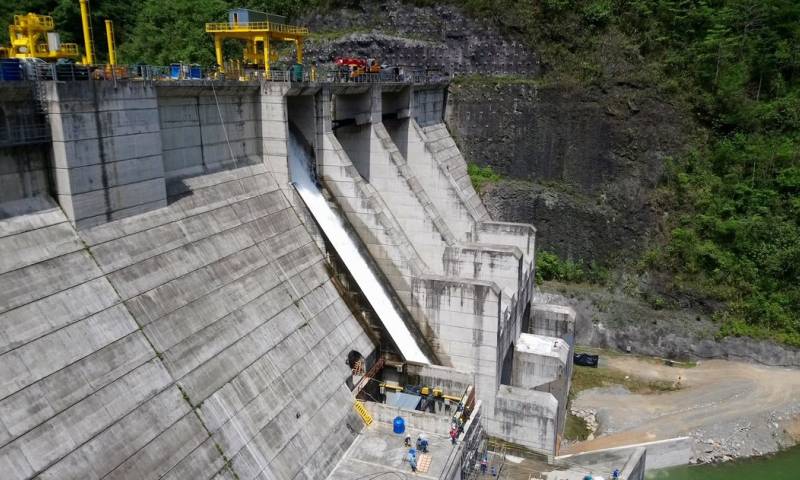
(256, 30)
(34, 36)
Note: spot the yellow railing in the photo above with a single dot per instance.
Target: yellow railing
(34, 20)
(68, 49)
(256, 27)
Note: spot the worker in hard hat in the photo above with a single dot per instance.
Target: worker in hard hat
(422, 443)
(412, 459)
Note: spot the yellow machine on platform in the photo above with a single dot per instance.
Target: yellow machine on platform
(256, 30)
(34, 36)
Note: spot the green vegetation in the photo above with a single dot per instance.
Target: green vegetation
(732, 238)
(151, 31)
(482, 176)
(549, 267)
(584, 378)
(576, 428)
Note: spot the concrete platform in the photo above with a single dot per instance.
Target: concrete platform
(379, 450)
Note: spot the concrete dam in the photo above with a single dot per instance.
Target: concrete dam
(252, 280)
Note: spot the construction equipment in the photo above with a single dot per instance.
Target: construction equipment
(257, 30)
(354, 67)
(33, 36)
(112, 54)
(88, 58)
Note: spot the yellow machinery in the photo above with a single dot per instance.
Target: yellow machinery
(112, 54)
(33, 36)
(256, 30)
(88, 59)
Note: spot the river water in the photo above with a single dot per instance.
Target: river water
(345, 246)
(781, 466)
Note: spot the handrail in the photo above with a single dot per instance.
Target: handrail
(41, 21)
(256, 26)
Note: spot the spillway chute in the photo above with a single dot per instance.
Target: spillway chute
(347, 248)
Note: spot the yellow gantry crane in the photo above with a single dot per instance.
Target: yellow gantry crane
(33, 36)
(256, 30)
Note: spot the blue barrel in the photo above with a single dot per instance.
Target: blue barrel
(175, 71)
(10, 69)
(195, 72)
(399, 425)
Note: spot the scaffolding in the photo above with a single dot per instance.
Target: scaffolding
(33, 36)
(256, 30)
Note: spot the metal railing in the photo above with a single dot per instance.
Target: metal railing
(214, 27)
(40, 71)
(64, 48)
(34, 20)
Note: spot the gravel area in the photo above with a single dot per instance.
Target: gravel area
(730, 409)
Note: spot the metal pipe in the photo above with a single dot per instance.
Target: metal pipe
(112, 54)
(218, 52)
(87, 38)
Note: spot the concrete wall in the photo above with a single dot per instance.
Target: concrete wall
(463, 322)
(428, 104)
(205, 130)
(24, 172)
(427, 422)
(553, 321)
(629, 461)
(24, 144)
(436, 181)
(526, 417)
(201, 340)
(106, 150)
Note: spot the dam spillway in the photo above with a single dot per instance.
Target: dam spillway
(165, 310)
(300, 165)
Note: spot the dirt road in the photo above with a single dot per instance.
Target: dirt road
(731, 409)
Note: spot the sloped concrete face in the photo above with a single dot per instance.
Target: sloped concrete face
(202, 340)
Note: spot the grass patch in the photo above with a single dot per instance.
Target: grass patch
(606, 352)
(550, 267)
(584, 378)
(576, 428)
(482, 176)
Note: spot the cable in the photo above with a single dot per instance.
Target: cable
(222, 122)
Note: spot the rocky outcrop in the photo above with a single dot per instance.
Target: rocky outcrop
(580, 163)
(440, 37)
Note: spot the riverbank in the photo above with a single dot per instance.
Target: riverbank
(729, 409)
(784, 465)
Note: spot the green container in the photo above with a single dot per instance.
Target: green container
(297, 72)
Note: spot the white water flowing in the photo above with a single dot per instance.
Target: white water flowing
(347, 250)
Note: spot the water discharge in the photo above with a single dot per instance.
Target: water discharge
(346, 248)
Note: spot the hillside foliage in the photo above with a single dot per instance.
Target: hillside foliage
(733, 203)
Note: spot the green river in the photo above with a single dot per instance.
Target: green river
(781, 466)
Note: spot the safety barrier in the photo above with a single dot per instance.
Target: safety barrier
(67, 72)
